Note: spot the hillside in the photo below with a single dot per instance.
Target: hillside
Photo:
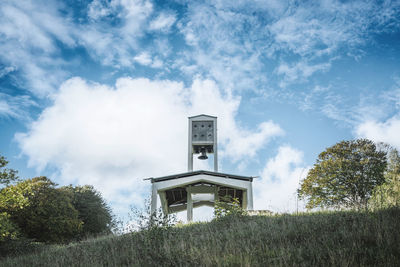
(314, 239)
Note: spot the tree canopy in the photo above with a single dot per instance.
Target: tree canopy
(388, 194)
(7, 176)
(344, 175)
(93, 210)
(41, 211)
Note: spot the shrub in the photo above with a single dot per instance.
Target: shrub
(228, 206)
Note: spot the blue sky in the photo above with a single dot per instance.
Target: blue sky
(98, 92)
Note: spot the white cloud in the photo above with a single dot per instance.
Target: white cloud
(145, 59)
(276, 189)
(163, 22)
(5, 71)
(388, 131)
(321, 28)
(33, 34)
(15, 106)
(113, 137)
(220, 47)
(299, 71)
(98, 9)
(28, 44)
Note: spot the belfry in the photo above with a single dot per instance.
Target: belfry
(192, 189)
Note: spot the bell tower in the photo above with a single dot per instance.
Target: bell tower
(186, 191)
(202, 139)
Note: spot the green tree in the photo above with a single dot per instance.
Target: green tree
(388, 194)
(8, 230)
(7, 176)
(41, 211)
(93, 210)
(344, 175)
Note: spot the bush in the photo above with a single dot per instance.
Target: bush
(142, 219)
(228, 206)
(8, 230)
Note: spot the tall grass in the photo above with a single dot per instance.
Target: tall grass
(316, 239)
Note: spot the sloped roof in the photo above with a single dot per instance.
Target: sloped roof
(201, 115)
(188, 174)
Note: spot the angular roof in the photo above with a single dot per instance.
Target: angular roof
(201, 115)
(188, 174)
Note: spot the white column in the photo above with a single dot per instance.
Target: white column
(250, 197)
(189, 205)
(153, 199)
(215, 147)
(164, 202)
(190, 148)
(216, 196)
(244, 200)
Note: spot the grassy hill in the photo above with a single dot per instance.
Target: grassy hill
(314, 239)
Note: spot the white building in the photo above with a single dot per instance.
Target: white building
(193, 189)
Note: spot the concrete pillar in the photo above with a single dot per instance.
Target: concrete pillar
(216, 196)
(244, 200)
(250, 197)
(190, 149)
(189, 206)
(215, 147)
(153, 199)
(164, 202)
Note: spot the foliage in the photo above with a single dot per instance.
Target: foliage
(7, 176)
(344, 238)
(388, 194)
(344, 175)
(93, 210)
(8, 230)
(41, 211)
(228, 206)
(142, 219)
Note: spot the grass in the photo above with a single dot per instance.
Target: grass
(345, 238)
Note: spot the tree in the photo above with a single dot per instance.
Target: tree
(41, 211)
(344, 175)
(93, 210)
(388, 194)
(7, 176)
(8, 230)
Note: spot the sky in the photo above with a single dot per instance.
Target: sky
(99, 92)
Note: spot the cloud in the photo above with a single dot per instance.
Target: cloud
(15, 106)
(299, 72)
(5, 71)
(236, 43)
(317, 29)
(230, 43)
(29, 35)
(387, 131)
(145, 59)
(162, 22)
(220, 46)
(34, 38)
(113, 137)
(276, 188)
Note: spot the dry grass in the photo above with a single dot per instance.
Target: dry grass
(314, 239)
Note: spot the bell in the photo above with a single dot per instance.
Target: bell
(203, 155)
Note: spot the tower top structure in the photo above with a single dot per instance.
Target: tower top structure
(202, 139)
